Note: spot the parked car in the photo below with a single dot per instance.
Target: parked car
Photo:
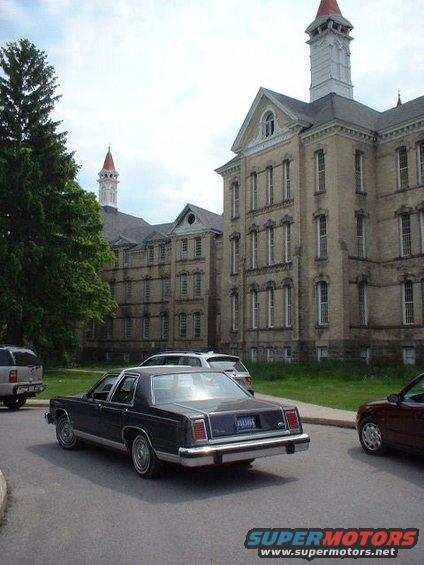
(396, 422)
(210, 360)
(193, 417)
(21, 375)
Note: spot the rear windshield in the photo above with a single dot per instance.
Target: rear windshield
(5, 360)
(26, 359)
(227, 364)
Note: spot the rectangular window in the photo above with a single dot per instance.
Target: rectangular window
(128, 290)
(320, 171)
(408, 303)
(198, 247)
(287, 243)
(197, 282)
(254, 190)
(128, 324)
(112, 289)
(127, 259)
(420, 160)
(286, 180)
(183, 285)
(405, 235)
(287, 294)
(183, 249)
(362, 297)
(271, 241)
(197, 328)
(166, 288)
(408, 355)
(146, 290)
(270, 354)
(322, 290)
(269, 186)
(270, 296)
(322, 353)
(235, 200)
(322, 237)
(254, 243)
(146, 327)
(234, 312)
(254, 354)
(360, 237)
(235, 251)
(164, 323)
(287, 354)
(365, 355)
(255, 309)
(109, 329)
(402, 167)
(359, 171)
(150, 254)
(162, 252)
(183, 325)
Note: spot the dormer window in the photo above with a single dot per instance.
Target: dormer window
(269, 124)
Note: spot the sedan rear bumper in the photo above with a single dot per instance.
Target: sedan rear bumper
(242, 450)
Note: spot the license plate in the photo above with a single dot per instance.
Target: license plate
(246, 423)
(29, 388)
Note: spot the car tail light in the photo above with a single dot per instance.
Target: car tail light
(292, 418)
(248, 380)
(13, 376)
(199, 430)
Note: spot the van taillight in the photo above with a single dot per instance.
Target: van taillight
(292, 420)
(199, 430)
(13, 376)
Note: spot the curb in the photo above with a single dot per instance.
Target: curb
(3, 495)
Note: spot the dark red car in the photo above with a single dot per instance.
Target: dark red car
(396, 422)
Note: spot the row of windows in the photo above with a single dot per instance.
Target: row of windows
(270, 308)
(159, 253)
(166, 288)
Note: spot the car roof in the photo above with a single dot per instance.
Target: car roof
(16, 348)
(169, 370)
(191, 353)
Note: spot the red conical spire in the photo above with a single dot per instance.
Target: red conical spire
(328, 8)
(109, 165)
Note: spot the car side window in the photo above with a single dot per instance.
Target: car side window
(153, 362)
(172, 360)
(26, 359)
(416, 393)
(192, 362)
(124, 394)
(101, 391)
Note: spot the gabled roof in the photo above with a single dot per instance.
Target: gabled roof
(209, 219)
(117, 223)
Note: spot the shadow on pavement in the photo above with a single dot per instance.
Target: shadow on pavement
(114, 471)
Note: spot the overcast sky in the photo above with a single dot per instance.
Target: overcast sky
(168, 83)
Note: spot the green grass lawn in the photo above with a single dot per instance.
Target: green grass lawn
(328, 384)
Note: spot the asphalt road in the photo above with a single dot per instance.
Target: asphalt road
(89, 506)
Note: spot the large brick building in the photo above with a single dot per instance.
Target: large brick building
(323, 229)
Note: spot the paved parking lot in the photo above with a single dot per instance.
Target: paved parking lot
(90, 507)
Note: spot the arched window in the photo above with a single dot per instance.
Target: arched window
(255, 308)
(408, 303)
(322, 303)
(183, 325)
(270, 301)
(287, 299)
(269, 124)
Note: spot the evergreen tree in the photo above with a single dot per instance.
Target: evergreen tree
(51, 246)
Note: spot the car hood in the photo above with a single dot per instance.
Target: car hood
(374, 404)
(216, 405)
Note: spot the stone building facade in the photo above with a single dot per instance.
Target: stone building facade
(320, 251)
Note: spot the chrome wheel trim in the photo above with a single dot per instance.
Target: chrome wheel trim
(141, 454)
(66, 433)
(371, 436)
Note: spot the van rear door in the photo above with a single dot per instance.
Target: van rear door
(29, 366)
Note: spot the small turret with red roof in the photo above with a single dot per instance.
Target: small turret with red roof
(108, 184)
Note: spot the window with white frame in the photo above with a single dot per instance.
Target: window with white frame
(164, 326)
(146, 290)
(128, 324)
(408, 303)
(271, 244)
(322, 237)
(287, 194)
(363, 308)
(287, 242)
(287, 354)
(361, 236)
(197, 283)
(166, 288)
(402, 168)
(235, 253)
(254, 354)
(270, 307)
(254, 246)
(234, 312)
(183, 285)
(359, 171)
(235, 200)
(420, 161)
(146, 327)
(150, 254)
(109, 328)
(408, 355)
(183, 325)
(183, 249)
(198, 247)
(269, 124)
(162, 252)
(287, 298)
(270, 354)
(323, 306)
(322, 353)
(128, 290)
(254, 191)
(197, 326)
(255, 308)
(269, 186)
(405, 235)
(320, 171)
(365, 355)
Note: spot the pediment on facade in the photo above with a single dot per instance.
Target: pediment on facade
(123, 241)
(193, 219)
(156, 236)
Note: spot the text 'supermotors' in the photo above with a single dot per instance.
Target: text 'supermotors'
(194, 417)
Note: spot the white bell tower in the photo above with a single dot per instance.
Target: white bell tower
(108, 183)
(329, 40)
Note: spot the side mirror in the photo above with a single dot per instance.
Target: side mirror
(393, 399)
